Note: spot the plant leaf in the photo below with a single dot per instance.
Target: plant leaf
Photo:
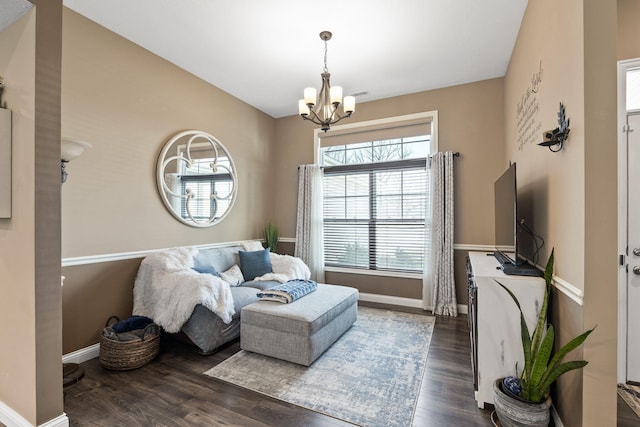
(538, 332)
(541, 358)
(548, 270)
(553, 374)
(557, 358)
(525, 338)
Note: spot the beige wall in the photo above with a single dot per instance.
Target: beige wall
(628, 29)
(17, 388)
(93, 293)
(30, 314)
(127, 102)
(470, 120)
(551, 184)
(571, 195)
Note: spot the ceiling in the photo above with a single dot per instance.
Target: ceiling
(266, 52)
(11, 11)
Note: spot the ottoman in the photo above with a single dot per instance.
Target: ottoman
(301, 331)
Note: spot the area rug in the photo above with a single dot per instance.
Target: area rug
(631, 395)
(370, 377)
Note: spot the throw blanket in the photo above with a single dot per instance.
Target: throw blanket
(288, 292)
(286, 268)
(167, 289)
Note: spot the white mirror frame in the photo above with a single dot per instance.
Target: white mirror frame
(193, 139)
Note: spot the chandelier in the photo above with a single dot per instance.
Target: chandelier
(324, 112)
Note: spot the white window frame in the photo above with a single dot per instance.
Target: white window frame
(430, 117)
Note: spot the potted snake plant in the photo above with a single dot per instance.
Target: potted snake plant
(271, 236)
(525, 401)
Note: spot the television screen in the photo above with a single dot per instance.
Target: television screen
(506, 216)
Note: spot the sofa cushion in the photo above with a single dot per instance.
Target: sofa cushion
(243, 296)
(255, 264)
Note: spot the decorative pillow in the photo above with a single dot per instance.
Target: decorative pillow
(202, 263)
(255, 264)
(254, 245)
(233, 276)
(206, 269)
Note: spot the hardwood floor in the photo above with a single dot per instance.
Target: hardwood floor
(172, 391)
(626, 416)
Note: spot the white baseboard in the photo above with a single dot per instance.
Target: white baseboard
(388, 299)
(11, 418)
(401, 301)
(82, 355)
(59, 421)
(556, 417)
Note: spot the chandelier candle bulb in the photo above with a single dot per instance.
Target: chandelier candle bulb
(303, 109)
(336, 95)
(349, 105)
(310, 95)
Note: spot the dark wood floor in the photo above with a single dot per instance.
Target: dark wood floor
(626, 416)
(171, 391)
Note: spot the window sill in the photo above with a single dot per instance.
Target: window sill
(398, 274)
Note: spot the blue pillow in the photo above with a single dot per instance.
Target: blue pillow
(255, 264)
(206, 269)
(202, 265)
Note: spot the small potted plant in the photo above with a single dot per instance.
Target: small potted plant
(525, 401)
(271, 236)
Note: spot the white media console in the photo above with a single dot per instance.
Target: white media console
(494, 320)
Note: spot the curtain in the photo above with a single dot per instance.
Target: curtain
(438, 281)
(309, 234)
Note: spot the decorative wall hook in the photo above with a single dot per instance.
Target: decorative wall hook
(2, 86)
(556, 137)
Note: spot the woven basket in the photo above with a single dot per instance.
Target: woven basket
(125, 355)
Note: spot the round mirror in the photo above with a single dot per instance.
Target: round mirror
(196, 178)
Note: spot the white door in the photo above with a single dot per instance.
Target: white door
(633, 244)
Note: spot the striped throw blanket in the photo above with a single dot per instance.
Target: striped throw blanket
(289, 291)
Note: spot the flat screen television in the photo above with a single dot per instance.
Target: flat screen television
(506, 218)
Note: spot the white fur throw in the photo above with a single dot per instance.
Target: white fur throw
(167, 289)
(286, 268)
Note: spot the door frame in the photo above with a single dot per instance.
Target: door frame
(623, 67)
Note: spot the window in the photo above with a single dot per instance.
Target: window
(633, 89)
(199, 180)
(375, 202)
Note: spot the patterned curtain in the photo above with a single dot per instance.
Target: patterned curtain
(309, 233)
(440, 273)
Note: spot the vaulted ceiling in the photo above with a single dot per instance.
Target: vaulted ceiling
(266, 52)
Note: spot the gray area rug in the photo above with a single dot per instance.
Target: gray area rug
(370, 377)
(631, 395)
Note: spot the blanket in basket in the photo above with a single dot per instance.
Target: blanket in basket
(289, 291)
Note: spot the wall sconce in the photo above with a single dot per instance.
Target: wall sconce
(69, 150)
(556, 137)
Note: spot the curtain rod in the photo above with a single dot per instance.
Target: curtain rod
(456, 154)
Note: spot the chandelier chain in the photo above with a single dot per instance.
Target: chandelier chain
(326, 70)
